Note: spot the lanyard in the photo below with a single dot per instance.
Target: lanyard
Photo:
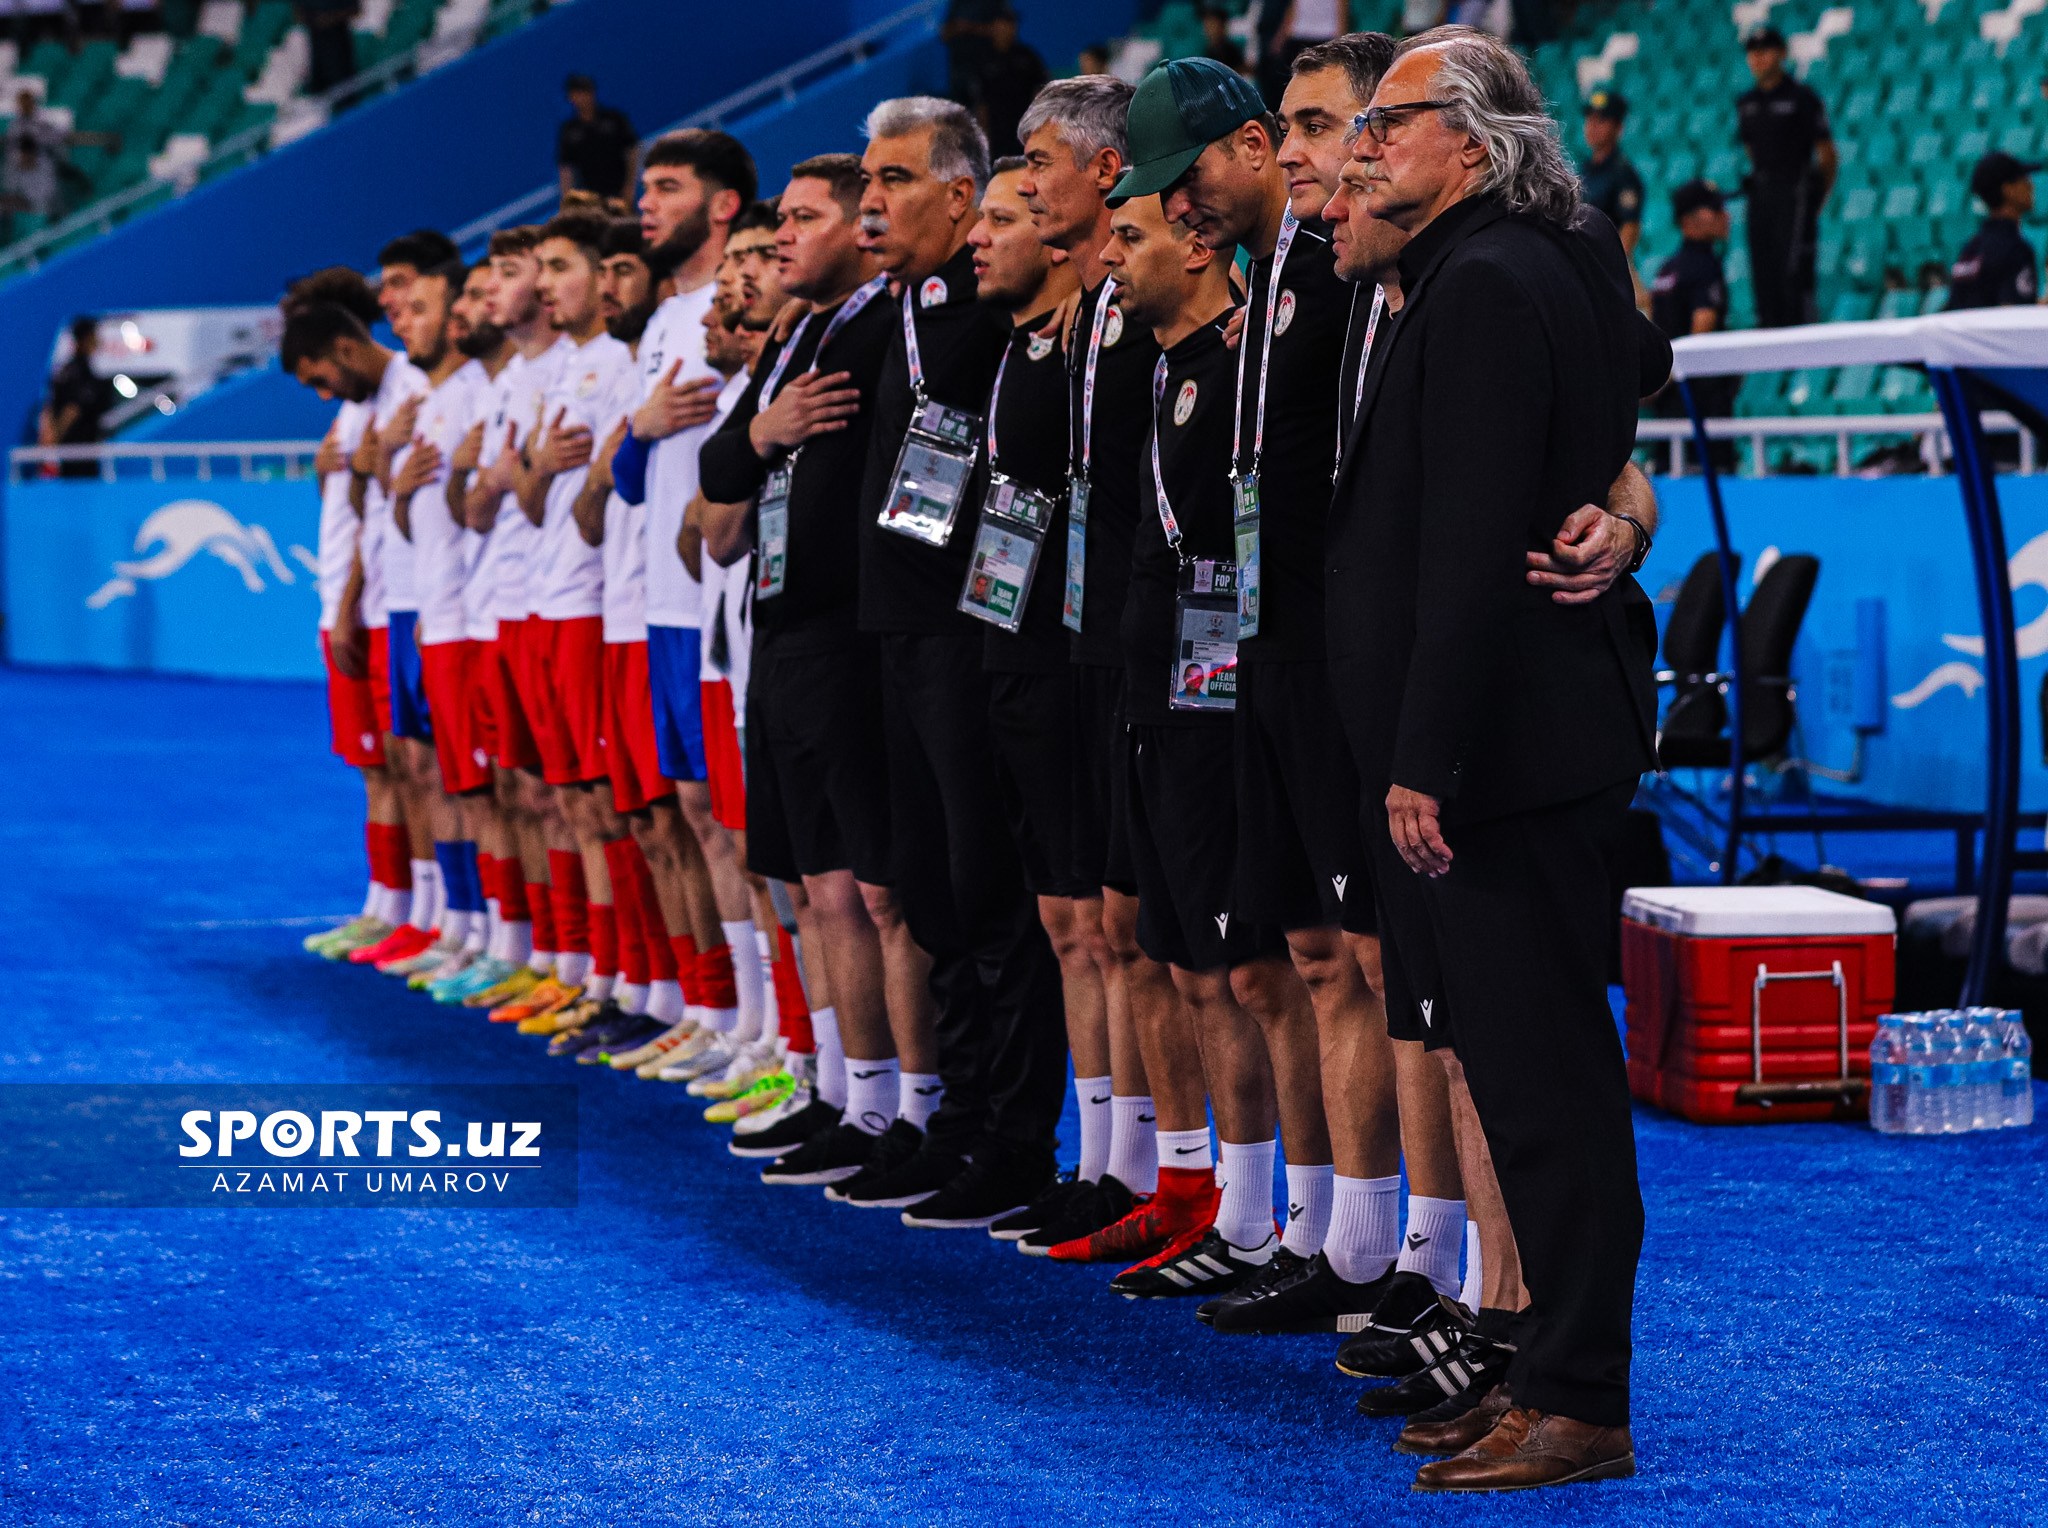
(1372, 327)
(1088, 370)
(848, 311)
(1167, 522)
(910, 349)
(1288, 226)
(995, 399)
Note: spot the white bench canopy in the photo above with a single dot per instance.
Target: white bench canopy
(1981, 338)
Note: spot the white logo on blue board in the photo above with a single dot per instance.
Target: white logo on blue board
(180, 531)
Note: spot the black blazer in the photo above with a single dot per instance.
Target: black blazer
(1504, 399)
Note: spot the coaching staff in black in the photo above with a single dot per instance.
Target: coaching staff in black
(1503, 731)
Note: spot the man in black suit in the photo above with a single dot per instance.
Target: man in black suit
(1503, 730)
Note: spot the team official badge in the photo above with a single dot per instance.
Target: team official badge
(932, 293)
(1113, 327)
(1184, 404)
(1284, 314)
(1038, 347)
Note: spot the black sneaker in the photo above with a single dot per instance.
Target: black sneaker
(1409, 1308)
(1000, 1181)
(1211, 1266)
(1314, 1300)
(891, 1149)
(1085, 1214)
(631, 1032)
(1284, 1269)
(830, 1156)
(1461, 1366)
(921, 1176)
(596, 1030)
(791, 1131)
(1045, 1210)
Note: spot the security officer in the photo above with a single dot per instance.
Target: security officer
(1996, 268)
(1690, 296)
(1784, 125)
(1608, 180)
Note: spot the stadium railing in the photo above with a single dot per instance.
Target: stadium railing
(251, 461)
(1929, 433)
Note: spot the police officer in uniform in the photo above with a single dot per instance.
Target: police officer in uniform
(1784, 125)
(1608, 180)
(1996, 268)
(1690, 296)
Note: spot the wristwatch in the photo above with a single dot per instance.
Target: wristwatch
(1642, 539)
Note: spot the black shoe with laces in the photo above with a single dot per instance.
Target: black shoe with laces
(1044, 1210)
(892, 1148)
(595, 1033)
(999, 1181)
(1313, 1300)
(1284, 1269)
(830, 1156)
(630, 1032)
(791, 1131)
(1085, 1214)
(1410, 1308)
(1211, 1266)
(1462, 1367)
(921, 1176)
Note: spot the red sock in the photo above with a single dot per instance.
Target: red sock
(684, 948)
(512, 892)
(540, 899)
(604, 939)
(390, 855)
(792, 1008)
(715, 978)
(661, 958)
(632, 917)
(571, 902)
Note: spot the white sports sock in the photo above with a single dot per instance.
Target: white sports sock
(515, 942)
(393, 906)
(918, 1096)
(1474, 1287)
(573, 969)
(1308, 1208)
(1365, 1227)
(1132, 1157)
(429, 897)
(600, 987)
(372, 899)
(1093, 1095)
(1436, 1235)
(746, 978)
(665, 1000)
(631, 999)
(1184, 1148)
(831, 1056)
(478, 938)
(872, 1096)
(542, 961)
(1244, 1174)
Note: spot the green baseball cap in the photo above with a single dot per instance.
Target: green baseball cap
(1180, 108)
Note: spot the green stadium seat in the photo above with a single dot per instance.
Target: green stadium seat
(1861, 105)
(1946, 197)
(1854, 390)
(1726, 167)
(1806, 391)
(1935, 300)
(1863, 259)
(1850, 307)
(2018, 139)
(1827, 254)
(1908, 99)
(1905, 390)
(1896, 61)
(1946, 95)
(1901, 201)
(1990, 92)
(1900, 302)
(1927, 149)
(1761, 395)
(1860, 205)
(1973, 144)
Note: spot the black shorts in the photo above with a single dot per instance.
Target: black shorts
(1101, 856)
(1031, 718)
(1182, 840)
(1408, 945)
(817, 773)
(1300, 863)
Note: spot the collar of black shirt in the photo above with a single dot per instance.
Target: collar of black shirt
(956, 276)
(1427, 247)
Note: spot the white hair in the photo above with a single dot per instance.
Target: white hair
(1492, 98)
(1090, 111)
(959, 147)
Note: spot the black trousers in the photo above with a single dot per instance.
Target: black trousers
(1002, 1019)
(1516, 934)
(1784, 227)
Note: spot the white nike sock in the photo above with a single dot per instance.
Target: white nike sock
(429, 898)
(1436, 1235)
(1474, 1287)
(1093, 1095)
(831, 1056)
(1185, 1148)
(573, 970)
(1244, 1214)
(1365, 1227)
(871, 1094)
(918, 1096)
(600, 987)
(665, 1001)
(1308, 1209)
(1133, 1160)
(746, 979)
(631, 999)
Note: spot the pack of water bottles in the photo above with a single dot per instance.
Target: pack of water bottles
(1951, 1071)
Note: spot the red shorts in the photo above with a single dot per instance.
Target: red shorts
(450, 671)
(357, 737)
(505, 678)
(564, 695)
(483, 698)
(722, 756)
(631, 753)
(380, 677)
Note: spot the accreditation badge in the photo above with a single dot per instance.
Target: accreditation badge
(1077, 552)
(1244, 493)
(1204, 672)
(931, 474)
(1014, 520)
(771, 533)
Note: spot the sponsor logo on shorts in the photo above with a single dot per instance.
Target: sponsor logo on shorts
(1428, 1004)
(1340, 882)
(1223, 924)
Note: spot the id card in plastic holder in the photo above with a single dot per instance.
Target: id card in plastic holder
(1006, 546)
(931, 474)
(771, 536)
(1244, 504)
(1077, 552)
(1204, 672)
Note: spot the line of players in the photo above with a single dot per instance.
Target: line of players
(932, 475)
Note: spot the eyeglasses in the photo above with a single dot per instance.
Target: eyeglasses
(1379, 118)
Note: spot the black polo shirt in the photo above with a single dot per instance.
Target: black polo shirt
(1612, 185)
(595, 151)
(1031, 448)
(1995, 270)
(1690, 280)
(1123, 416)
(1780, 128)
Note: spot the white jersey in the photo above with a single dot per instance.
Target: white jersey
(441, 547)
(402, 380)
(479, 588)
(728, 599)
(595, 386)
(341, 529)
(517, 396)
(625, 570)
(676, 330)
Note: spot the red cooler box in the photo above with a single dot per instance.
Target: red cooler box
(1754, 1004)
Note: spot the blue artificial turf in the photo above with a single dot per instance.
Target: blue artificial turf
(1831, 1327)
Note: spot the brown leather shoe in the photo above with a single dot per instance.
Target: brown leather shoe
(1533, 1448)
(1454, 1436)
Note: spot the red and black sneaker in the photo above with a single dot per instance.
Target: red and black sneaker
(1185, 1203)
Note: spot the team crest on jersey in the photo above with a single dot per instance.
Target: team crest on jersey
(1113, 327)
(1284, 314)
(588, 384)
(1184, 404)
(1038, 347)
(932, 293)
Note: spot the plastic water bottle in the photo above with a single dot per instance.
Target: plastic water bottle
(1888, 1075)
(1923, 1098)
(2016, 1068)
(1987, 1066)
(1975, 1050)
(1953, 1073)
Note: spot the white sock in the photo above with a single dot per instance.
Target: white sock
(478, 939)
(1244, 1215)
(665, 1000)
(1436, 1235)
(1093, 1095)
(572, 969)
(872, 1096)
(831, 1056)
(1365, 1227)
(600, 987)
(1184, 1148)
(1133, 1161)
(515, 942)
(918, 1096)
(429, 898)
(1475, 1271)
(740, 937)
(632, 999)
(372, 900)
(393, 905)
(542, 960)
(1308, 1209)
